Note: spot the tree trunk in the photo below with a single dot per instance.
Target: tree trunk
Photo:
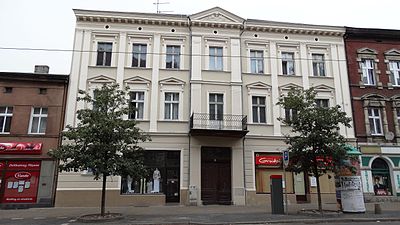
(316, 174)
(103, 195)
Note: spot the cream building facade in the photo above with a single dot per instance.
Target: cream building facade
(205, 87)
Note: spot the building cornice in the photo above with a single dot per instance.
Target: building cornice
(188, 21)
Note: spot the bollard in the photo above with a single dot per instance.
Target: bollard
(378, 209)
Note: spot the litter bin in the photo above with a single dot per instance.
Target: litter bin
(276, 194)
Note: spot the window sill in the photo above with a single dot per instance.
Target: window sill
(36, 134)
(111, 67)
(5, 133)
(260, 124)
(173, 121)
(287, 75)
(258, 74)
(138, 68)
(323, 77)
(145, 194)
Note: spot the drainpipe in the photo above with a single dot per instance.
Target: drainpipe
(243, 148)
(190, 97)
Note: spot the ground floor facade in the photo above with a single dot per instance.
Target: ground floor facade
(380, 171)
(198, 170)
(27, 178)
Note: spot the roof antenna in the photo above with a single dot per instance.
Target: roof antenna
(158, 3)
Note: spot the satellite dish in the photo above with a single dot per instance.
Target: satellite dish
(389, 136)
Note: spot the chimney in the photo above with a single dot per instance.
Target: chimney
(42, 69)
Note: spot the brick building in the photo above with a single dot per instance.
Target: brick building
(32, 107)
(373, 59)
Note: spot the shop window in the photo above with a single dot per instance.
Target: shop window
(267, 164)
(162, 177)
(381, 176)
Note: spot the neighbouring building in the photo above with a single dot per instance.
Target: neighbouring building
(373, 59)
(206, 87)
(32, 107)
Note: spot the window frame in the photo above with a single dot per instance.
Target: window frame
(374, 118)
(40, 116)
(105, 52)
(286, 61)
(395, 72)
(257, 60)
(6, 115)
(259, 106)
(140, 53)
(173, 55)
(136, 102)
(317, 63)
(216, 116)
(365, 69)
(173, 102)
(320, 102)
(216, 58)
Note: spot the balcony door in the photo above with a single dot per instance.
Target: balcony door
(216, 111)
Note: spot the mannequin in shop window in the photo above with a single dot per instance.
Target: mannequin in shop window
(156, 181)
(129, 183)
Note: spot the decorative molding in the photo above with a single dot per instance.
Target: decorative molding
(368, 51)
(102, 79)
(392, 52)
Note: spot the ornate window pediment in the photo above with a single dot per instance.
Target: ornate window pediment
(392, 52)
(258, 85)
(172, 81)
(137, 80)
(288, 87)
(101, 79)
(374, 100)
(368, 51)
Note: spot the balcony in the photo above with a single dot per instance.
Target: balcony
(224, 125)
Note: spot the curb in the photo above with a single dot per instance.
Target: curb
(92, 218)
(310, 221)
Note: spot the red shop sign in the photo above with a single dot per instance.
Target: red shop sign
(23, 165)
(2, 165)
(22, 175)
(269, 161)
(21, 148)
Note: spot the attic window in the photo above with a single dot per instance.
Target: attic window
(8, 90)
(42, 91)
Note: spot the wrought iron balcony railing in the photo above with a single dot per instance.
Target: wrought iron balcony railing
(206, 121)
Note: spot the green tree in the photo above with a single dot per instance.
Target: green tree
(315, 144)
(103, 140)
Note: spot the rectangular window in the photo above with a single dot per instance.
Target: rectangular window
(216, 58)
(171, 106)
(257, 61)
(318, 62)
(173, 57)
(395, 72)
(216, 106)
(136, 105)
(324, 103)
(38, 120)
(375, 121)
(288, 63)
(139, 55)
(368, 74)
(163, 176)
(290, 114)
(6, 113)
(258, 105)
(104, 52)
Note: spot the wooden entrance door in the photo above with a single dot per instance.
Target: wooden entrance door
(216, 176)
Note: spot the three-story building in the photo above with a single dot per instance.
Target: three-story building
(205, 87)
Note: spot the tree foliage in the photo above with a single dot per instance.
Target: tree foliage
(103, 140)
(315, 143)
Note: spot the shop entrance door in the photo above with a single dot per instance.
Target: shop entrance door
(216, 176)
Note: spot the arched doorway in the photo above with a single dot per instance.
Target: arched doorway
(381, 176)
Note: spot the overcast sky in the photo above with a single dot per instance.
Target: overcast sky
(49, 24)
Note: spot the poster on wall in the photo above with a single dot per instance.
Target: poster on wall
(21, 182)
(352, 197)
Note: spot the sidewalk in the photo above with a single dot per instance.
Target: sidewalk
(176, 214)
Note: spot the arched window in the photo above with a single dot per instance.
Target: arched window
(381, 176)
